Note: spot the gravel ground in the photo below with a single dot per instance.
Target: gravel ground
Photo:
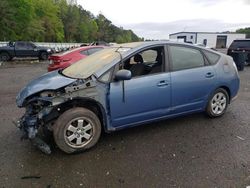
(192, 151)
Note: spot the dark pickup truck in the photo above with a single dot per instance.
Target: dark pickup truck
(23, 49)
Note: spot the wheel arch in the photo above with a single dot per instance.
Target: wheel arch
(89, 104)
(42, 51)
(227, 89)
(5, 51)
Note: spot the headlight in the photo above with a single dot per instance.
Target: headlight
(48, 50)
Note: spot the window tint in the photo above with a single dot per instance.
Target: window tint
(185, 58)
(20, 45)
(30, 45)
(93, 50)
(240, 44)
(212, 57)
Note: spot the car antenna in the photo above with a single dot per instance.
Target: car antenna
(123, 85)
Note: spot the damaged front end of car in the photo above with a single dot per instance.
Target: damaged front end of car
(47, 97)
(42, 99)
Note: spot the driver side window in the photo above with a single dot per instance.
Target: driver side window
(146, 62)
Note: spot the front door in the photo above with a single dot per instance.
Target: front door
(147, 96)
(31, 50)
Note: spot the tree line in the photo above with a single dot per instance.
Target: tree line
(244, 30)
(57, 21)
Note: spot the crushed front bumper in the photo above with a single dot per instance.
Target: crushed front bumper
(29, 125)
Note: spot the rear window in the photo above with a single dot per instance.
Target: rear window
(212, 57)
(94, 50)
(84, 52)
(240, 44)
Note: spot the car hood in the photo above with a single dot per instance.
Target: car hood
(50, 81)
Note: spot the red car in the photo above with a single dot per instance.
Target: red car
(63, 60)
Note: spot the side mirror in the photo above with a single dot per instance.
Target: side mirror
(123, 75)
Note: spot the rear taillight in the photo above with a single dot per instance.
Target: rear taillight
(57, 61)
(65, 60)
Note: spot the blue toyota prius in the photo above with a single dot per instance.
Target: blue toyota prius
(123, 86)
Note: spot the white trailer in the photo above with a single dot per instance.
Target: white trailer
(213, 40)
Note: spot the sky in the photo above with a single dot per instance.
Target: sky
(156, 19)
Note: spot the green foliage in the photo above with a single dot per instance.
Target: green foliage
(56, 21)
(244, 30)
(110, 33)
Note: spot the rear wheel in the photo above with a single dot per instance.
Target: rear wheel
(218, 103)
(241, 66)
(76, 130)
(4, 56)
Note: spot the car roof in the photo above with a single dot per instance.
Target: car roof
(241, 40)
(134, 45)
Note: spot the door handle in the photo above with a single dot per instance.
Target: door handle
(209, 75)
(162, 83)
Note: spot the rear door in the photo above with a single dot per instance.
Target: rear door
(20, 48)
(192, 79)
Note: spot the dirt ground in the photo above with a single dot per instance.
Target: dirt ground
(192, 151)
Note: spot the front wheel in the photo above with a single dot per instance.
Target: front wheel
(218, 103)
(44, 56)
(76, 130)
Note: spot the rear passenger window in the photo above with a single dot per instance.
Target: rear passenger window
(20, 45)
(212, 57)
(185, 58)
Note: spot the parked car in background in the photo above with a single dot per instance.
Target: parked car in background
(23, 49)
(63, 60)
(240, 51)
(99, 43)
(124, 86)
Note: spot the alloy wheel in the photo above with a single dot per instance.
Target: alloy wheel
(79, 132)
(218, 103)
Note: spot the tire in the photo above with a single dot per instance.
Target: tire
(76, 130)
(4, 56)
(241, 66)
(218, 103)
(44, 55)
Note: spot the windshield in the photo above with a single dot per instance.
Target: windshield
(89, 65)
(240, 44)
